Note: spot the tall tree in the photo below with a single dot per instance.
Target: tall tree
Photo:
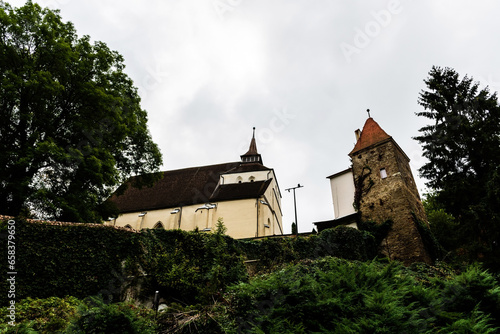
(462, 145)
(72, 126)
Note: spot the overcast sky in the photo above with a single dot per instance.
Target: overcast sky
(302, 72)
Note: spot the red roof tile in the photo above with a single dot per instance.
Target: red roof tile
(371, 134)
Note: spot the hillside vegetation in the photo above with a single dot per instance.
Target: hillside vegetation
(97, 279)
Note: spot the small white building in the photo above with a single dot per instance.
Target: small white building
(342, 186)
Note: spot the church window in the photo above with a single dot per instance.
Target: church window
(251, 178)
(239, 179)
(159, 225)
(383, 173)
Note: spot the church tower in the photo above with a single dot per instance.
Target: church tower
(385, 189)
(252, 156)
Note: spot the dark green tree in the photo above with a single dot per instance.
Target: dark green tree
(72, 126)
(442, 224)
(462, 145)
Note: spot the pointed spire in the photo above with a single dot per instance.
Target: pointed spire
(252, 150)
(252, 155)
(371, 134)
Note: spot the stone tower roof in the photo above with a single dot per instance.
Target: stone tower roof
(371, 134)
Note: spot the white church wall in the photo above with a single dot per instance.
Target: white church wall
(245, 177)
(244, 218)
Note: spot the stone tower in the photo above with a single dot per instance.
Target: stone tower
(385, 189)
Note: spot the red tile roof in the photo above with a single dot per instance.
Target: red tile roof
(372, 134)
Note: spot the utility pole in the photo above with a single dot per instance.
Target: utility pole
(295, 204)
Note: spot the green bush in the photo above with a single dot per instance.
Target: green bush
(474, 292)
(342, 241)
(95, 316)
(333, 295)
(49, 315)
(191, 267)
(328, 295)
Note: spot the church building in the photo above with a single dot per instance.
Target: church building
(244, 194)
(379, 186)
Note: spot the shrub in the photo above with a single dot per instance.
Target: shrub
(191, 267)
(333, 295)
(95, 316)
(49, 315)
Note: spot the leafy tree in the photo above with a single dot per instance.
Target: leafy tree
(72, 127)
(442, 224)
(462, 145)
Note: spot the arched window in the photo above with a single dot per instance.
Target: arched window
(251, 178)
(128, 226)
(159, 225)
(239, 179)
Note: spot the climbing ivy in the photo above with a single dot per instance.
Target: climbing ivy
(360, 188)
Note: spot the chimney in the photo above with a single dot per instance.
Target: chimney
(357, 133)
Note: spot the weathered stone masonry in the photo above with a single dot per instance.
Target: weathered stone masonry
(388, 192)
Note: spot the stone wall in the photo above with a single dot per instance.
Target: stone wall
(394, 197)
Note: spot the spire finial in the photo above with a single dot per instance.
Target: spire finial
(253, 136)
(368, 111)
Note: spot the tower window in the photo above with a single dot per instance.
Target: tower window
(383, 173)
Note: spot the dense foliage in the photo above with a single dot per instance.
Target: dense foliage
(72, 316)
(462, 146)
(331, 295)
(78, 260)
(72, 127)
(48, 315)
(96, 316)
(191, 267)
(328, 295)
(289, 285)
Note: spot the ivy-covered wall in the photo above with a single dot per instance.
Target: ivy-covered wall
(59, 260)
(192, 267)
